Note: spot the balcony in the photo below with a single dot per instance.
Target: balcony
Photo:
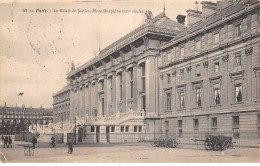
(114, 119)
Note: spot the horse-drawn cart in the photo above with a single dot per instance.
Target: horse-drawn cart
(219, 142)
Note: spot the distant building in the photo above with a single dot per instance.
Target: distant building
(61, 105)
(167, 80)
(11, 117)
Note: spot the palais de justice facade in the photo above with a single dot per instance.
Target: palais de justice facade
(165, 79)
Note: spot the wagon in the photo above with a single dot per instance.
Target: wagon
(219, 142)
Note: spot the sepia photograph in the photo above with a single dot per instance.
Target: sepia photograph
(129, 81)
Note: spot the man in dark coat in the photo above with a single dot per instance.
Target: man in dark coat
(9, 141)
(52, 141)
(5, 142)
(34, 141)
(70, 145)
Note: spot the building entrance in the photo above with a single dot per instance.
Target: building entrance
(108, 133)
(98, 133)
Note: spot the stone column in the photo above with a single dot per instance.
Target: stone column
(135, 88)
(124, 109)
(114, 99)
(106, 104)
(150, 70)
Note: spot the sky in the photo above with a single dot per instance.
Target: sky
(36, 48)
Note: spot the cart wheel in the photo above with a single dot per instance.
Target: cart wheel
(227, 144)
(207, 145)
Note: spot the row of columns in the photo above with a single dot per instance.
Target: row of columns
(87, 99)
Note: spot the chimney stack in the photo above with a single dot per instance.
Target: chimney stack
(208, 8)
(181, 19)
(223, 4)
(5, 104)
(193, 16)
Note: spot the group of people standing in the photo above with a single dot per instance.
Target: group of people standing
(7, 141)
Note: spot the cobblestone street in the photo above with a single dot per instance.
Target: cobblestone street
(125, 154)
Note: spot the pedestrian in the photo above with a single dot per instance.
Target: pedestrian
(3, 138)
(70, 145)
(52, 141)
(34, 141)
(5, 142)
(10, 141)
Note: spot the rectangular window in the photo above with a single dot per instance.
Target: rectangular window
(198, 97)
(180, 127)
(238, 30)
(143, 102)
(238, 60)
(235, 121)
(216, 94)
(92, 128)
(216, 38)
(122, 128)
(180, 123)
(239, 95)
(121, 92)
(131, 89)
(143, 77)
(127, 129)
(182, 100)
(214, 122)
(103, 106)
(196, 124)
(140, 128)
(112, 128)
(216, 67)
(135, 128)
(168, 101)
(169, 78)
(102, 85)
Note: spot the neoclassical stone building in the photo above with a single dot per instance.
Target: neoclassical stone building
(115, 91)
(209, 75)
(167, 80)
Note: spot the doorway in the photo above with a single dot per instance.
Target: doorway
(108, 133)
(98, 134)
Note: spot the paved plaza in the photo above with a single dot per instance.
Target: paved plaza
(130, 153)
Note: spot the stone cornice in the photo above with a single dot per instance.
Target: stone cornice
(205, 52)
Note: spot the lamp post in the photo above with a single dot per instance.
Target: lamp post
(75, 120)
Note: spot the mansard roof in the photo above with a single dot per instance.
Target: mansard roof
(160, 24)
(207, 22)
(64, 89)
